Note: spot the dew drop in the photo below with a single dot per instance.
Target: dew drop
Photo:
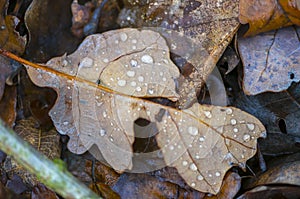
(200, 177)
(147, 59)
(133, 84)
(150, 91)
(133, 63)
(102, 132)
(192, 130)
(105, 60)
(250, 127)
(171, 147)
(86, 62)
(104, 114)
(229, 111)
(123, 36)
(164, 79)
(130, 73)
(217, 174)
(246, 137)
(207, 114)
(233, 121)
(122, 82)
(133, 47)
(201, 139)
(197, 157)
(193, 184)
(235, 130)
(111, 138)
(138, 89)
(141, 78)
(134, 41)
(184, 163)
(65, 123)
(193, 167)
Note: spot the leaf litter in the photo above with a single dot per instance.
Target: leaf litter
(202, 142)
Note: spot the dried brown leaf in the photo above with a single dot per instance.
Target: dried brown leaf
(202, 142)
(267, 15)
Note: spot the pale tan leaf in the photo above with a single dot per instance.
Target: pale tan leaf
(202, 142)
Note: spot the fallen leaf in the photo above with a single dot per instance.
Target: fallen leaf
(201, 32)
(202, 142)
(264, 16)
(145, 186)
(11, 41)
(279, 112)
(272, 191)
(283, 170)
(48, 27)
(271, 60)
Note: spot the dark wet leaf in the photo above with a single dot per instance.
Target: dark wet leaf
(283, 170)
(269, 191)
(49, 24)
(8, 105)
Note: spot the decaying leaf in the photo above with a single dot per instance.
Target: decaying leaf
(207, 25)
(271, 60)
(202, 142)
(267, 15)
(48, 27)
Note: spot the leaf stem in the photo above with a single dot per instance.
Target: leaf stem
(62, 182)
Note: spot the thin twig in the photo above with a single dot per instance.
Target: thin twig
(56, 178)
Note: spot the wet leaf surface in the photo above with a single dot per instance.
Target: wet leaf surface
(271, 60)
(264, 16)
(227, 136)
(203, 29)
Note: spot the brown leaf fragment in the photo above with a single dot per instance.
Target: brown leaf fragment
(202, 142)
(146, 186)
(283, 170)
(271, 60)
(8, 105)
(9, 38)
(267, 15)
(275, 191)
(40, 191)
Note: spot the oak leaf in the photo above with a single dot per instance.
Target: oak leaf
(98, 104)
